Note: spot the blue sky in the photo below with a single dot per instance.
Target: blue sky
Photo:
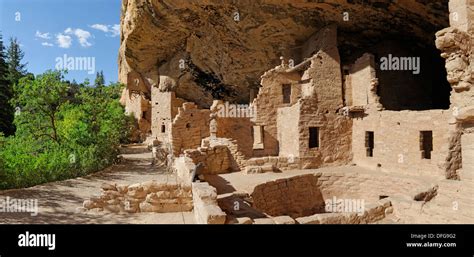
(49, 29)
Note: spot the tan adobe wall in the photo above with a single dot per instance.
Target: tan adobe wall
(362, 72)
(206, 210)
(397, 141)
(189, 127)
(296, 197)
(164, 109)
(335, 131)
(269, 99)
(149, 196)
(287, 123)
(216, 159)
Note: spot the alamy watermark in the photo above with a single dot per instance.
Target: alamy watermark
(227, 110)
(395, 63)
(13, 205)
(344, 205)
(76, 63)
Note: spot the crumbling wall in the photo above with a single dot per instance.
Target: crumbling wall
(189, 127)
(150, 196)
(216, 159)
(362, 75)
(269, 99)
(456, 44)
(206, 210)
(234, 128)
(297, 196)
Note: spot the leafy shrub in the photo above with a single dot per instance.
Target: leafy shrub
(59, 135)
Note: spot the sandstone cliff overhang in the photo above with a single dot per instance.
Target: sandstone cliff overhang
(219, 49)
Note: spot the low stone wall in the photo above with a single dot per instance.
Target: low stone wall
(296, 196)
(372, 213)
(279, 163)
(306, 197)
(216, 159)
(184, 167)
(206, 209)
(150, 196)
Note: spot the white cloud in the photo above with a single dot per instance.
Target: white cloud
(111, 30)
(42, 35)
(64, 41)
(115, 30)
(46, 44)
(82, 36)
(101, 27)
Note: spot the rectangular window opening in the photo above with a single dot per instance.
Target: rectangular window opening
(286, 90)
(313, 137)
(369, 143)
(426, 144)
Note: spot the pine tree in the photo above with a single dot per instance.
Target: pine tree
(99, 79)
(16, 70)
(6, 93)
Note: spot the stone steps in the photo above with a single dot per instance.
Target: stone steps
(134, 149)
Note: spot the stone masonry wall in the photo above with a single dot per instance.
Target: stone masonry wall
(269, 99)
(397, 141)
(295, 197)
(206, 209)
(189, 127)
(164, 109)
(150, 196)
(216, 159)
(335, 131)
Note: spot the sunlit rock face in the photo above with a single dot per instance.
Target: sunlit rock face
(217, 49)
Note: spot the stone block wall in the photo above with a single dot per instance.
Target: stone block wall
(234, 128)
(206, 209)
(362, 73)
(397, 141)
(297, 196)
(184, 167)
(278, 163)
(164, 107)
(372, 213)
(335, 131)
(216, 159)
(269, 99)
(189, 127)
(150, 196)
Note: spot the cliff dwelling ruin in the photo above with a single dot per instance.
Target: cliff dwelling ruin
(364, 100)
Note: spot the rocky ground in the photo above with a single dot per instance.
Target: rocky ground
(59, 202)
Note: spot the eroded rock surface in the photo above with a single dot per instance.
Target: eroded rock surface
(219, 49)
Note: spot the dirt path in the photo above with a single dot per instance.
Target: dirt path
(58, 202)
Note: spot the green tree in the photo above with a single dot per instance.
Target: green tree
(41, 100)
(16, 69)
(6, 93)
(99, 79)
(64, 130)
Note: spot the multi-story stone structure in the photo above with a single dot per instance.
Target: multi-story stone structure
(392, 106)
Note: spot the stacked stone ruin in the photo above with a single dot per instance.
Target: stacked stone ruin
(318, 113)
